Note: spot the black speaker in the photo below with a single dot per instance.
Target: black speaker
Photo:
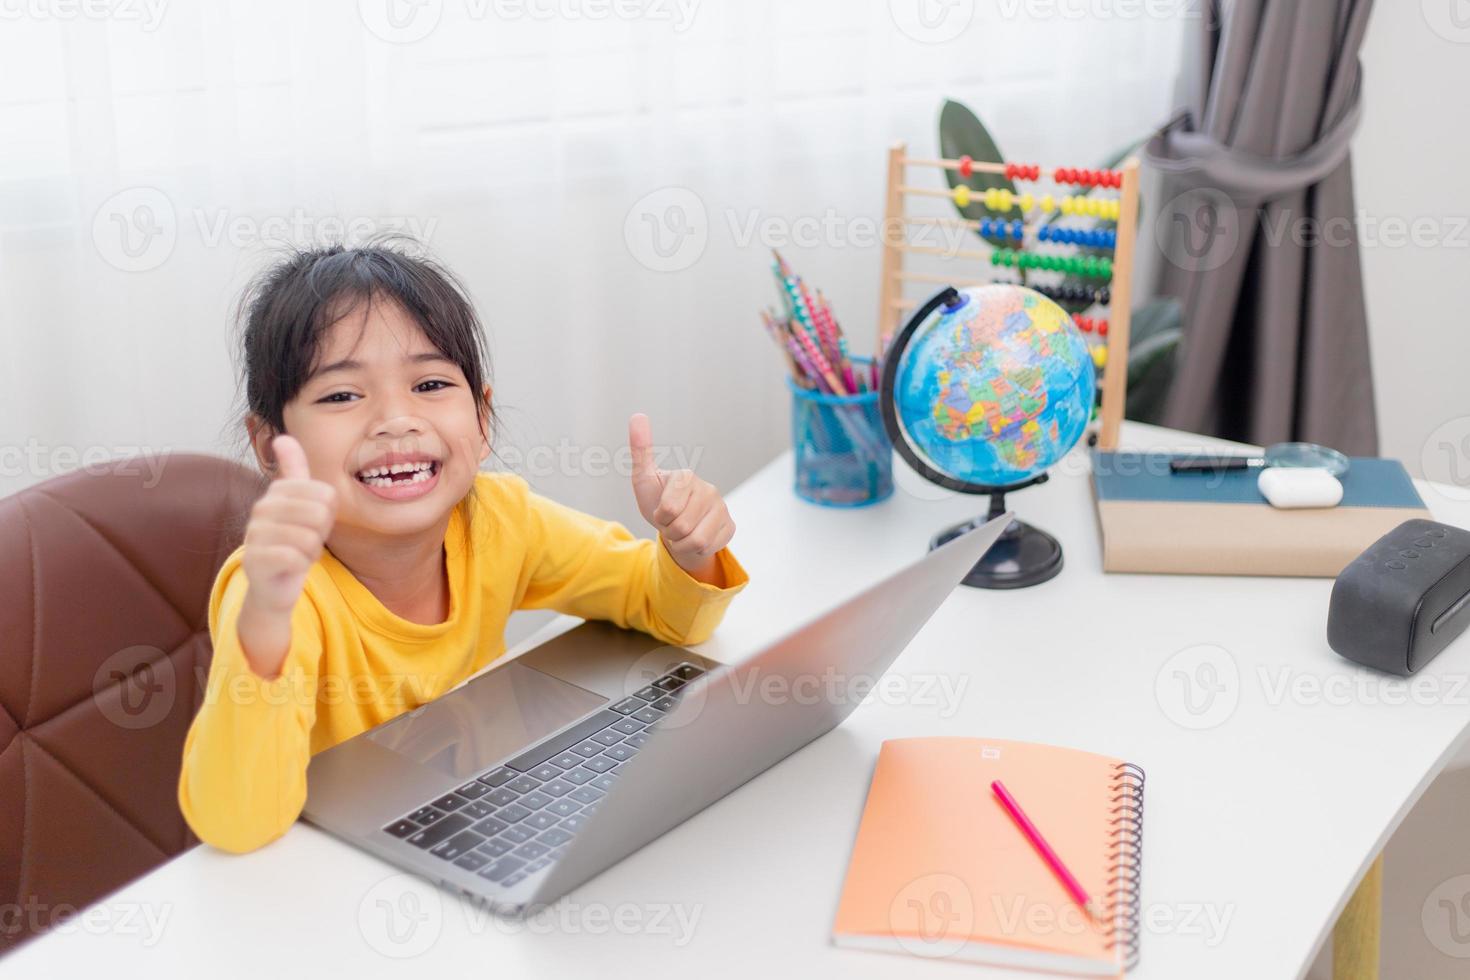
(1401, 602)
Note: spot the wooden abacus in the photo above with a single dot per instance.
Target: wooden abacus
(1074, 278)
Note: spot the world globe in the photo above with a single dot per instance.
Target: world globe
(995, 389)
(983, 390)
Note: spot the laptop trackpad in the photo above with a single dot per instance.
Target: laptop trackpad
(491, 718)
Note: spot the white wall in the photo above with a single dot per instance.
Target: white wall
(1414, 192)
(525, 148)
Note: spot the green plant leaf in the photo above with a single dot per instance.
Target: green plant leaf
(961, 133)
(1156, 330)
(1116, 160)
(1153, 317)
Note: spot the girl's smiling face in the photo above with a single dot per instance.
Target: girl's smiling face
(389, 421)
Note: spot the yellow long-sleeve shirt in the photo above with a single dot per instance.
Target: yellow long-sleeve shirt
(354, 664)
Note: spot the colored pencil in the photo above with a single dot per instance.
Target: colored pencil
(1048, 854)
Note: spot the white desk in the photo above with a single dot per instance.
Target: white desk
(1265, 819)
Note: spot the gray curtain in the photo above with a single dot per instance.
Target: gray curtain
(1256, 225)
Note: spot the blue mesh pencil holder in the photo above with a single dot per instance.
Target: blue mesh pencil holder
(843, 456)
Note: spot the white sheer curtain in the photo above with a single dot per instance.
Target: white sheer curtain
(152, 152)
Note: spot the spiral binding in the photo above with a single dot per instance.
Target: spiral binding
(1125, 861)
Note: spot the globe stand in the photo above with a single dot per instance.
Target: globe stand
(1022, 556)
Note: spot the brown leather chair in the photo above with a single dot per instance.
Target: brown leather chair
(104, 648)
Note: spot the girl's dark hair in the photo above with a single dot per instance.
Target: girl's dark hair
(286, 311)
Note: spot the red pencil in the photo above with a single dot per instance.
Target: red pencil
(1067, 878)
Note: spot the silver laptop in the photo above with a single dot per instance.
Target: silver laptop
(536, 775)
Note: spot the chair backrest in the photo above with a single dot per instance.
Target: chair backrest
(104, 648)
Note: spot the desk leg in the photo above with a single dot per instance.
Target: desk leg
(1355, 938)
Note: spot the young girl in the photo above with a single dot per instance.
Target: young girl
(380, 566)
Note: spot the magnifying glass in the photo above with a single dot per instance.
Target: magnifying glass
(1292, 454)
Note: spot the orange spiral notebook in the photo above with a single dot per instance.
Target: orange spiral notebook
(940, 870)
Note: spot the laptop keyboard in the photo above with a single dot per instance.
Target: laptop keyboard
(518, 817)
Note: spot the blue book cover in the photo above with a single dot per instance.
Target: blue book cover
(1218, 523)
(1369, 482)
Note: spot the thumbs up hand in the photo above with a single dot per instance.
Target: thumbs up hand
(288, 527)
(688, 512)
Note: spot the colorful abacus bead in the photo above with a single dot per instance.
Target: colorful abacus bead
(967, 166)
(1018, 229)
(1026, 202)
(961, 196)
(1102, 328)
(1100, 356)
